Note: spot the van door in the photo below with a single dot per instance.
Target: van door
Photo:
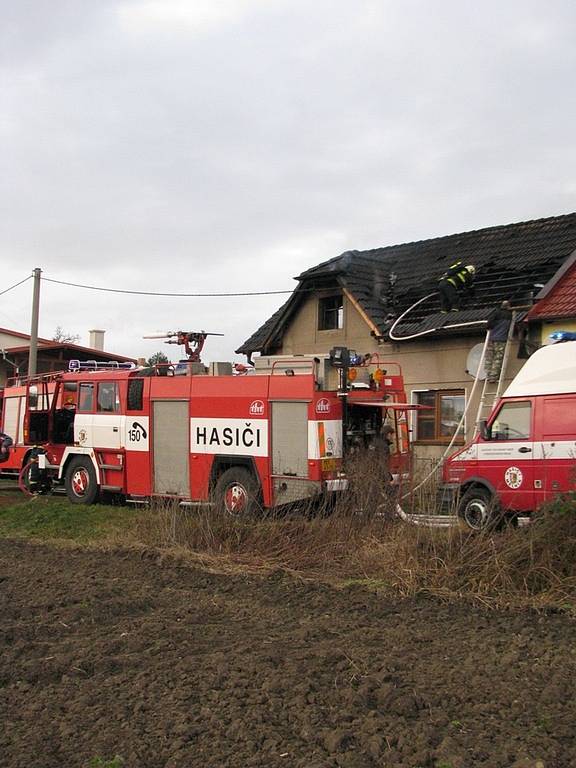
(506, 458)
(555, 454)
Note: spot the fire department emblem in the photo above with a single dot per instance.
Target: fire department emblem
(82, 436)
(323, 405)
(256, 408)
(513, 477)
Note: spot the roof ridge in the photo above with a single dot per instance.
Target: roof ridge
(493, 228)
(467, 233)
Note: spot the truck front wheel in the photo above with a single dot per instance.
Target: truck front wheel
(237, 492)
(478, 508)
(81, 484)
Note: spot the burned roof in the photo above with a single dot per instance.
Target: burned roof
(512, 261)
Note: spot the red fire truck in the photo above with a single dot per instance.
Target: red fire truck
(266, 439)
(525, 453)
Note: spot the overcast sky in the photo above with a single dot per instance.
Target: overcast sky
(227, 145)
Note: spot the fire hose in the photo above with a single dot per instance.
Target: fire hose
(399, 511)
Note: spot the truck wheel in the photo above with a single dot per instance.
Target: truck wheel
(477, 508)
(237, 492)
(81, 485)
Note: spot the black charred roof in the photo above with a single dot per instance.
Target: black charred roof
(510, 260)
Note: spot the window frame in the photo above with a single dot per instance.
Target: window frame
(90, 385)
(512, 405)
(135, 391)
(336, 311)
(436, 416)
(102, 385)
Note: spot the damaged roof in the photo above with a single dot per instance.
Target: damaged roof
(510, 261)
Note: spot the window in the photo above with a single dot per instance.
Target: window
(330, 313)
(135, 394)
(512, 422)
(86, 397)
(438, 423)
(108, 398)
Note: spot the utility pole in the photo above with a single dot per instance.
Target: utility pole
(33, 354)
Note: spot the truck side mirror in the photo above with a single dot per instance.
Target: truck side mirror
(484, 430)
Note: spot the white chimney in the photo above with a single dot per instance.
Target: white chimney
(96, 339)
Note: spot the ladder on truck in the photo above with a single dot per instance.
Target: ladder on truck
(491, 391)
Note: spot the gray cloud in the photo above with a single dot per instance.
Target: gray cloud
(194, 146)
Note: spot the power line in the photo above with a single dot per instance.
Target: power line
(15, 285)
(159, 293)
(503, 283)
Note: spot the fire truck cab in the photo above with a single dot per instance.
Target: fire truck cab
(255, 440)
(525, 453)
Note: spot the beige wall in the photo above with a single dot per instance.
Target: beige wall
(303, 336)
(558, 325)
(426, 364)
(10, 340)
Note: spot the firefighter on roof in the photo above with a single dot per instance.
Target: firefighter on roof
(453, 284)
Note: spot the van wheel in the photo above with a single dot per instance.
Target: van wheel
(81, 485)
(478, 509)
(237, 492)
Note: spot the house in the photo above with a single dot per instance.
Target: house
(555, 308)
(51, 355)
(353, 299)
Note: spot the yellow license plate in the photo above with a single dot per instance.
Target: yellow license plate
(330, 465)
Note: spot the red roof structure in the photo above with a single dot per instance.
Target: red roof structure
(557, 300)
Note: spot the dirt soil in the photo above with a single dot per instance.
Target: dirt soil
(106, 654)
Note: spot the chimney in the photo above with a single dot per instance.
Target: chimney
(96, 339)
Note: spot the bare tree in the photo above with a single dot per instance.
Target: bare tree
(64, 337)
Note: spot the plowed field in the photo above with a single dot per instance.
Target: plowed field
(108, 654)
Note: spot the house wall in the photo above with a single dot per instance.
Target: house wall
(426, 364)
(8, 340)
(558, 325)
(303, 336)
(11, 340)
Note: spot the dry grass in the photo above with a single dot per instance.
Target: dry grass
(360, 541)
(357, 540)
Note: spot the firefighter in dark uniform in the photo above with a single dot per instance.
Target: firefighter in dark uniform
(453, 284)
(5, 443)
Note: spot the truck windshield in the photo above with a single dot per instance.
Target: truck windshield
(512, 422)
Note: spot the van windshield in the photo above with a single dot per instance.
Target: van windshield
(512, 422)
